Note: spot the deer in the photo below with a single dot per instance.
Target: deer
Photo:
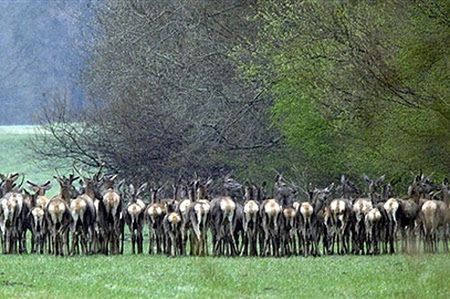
(58, 214)
(270, 219)
(340, 215)
(361, 207)
(38, 222)
(434, 215)
(134, 217)
(110, 213)
(372, 222)
(12, 215)
(408, 211)
(315, 219)
(154, 215)
(285, 194)
(223, 211)
(186, 198)
(172, 223)
(199, 217)
(251, 220)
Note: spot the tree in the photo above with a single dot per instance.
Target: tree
(358, 86)
(163, 94)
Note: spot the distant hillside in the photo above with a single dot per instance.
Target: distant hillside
(39, 46)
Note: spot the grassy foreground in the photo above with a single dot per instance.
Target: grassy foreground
(400, 276)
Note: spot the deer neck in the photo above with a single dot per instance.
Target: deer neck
(65, 194)
(446, 197)
(89, 191)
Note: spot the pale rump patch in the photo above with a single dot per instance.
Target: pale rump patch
(155, 210)
(56, 210)
(289, 213)
(201, 208)
(391, 206)
(184, 205)
(361, 208)
(373, 216)
(37, 213)
(429, 208)
(306, 209)
(42, 201)
(174, 218)
(134, 209)
(272, 207)
(227, 204)
(38, 216)
(251, 207)
(111, 201)
(337, 206)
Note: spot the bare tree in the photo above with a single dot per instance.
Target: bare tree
(164, 96)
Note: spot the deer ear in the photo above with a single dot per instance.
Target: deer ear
(342, 179)
(329, 188)
(381, 179)
(366, 178)
(209, 182)
(131, 189)
(14, 176)
(142, 188)
(47, 185)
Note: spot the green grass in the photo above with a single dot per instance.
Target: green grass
(34, 276)
(17, 156)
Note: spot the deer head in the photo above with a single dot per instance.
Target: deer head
(67, 190)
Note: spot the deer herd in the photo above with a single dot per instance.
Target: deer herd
(221, 217)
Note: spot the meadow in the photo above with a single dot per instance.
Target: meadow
(398, 276)
(128, 276)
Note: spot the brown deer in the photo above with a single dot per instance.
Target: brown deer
(172, 227)
(58, 214)
(270, 219)
(223, 211)
(340, 210)
(38, 223)
(134, 217)
(251, 220)
(316, 221)
(199, 218)
(110, 209)
(372, 222)
(434, 217)
(154, 215)
(13, 214)
(186, 198)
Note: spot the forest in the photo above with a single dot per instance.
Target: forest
(312, 89)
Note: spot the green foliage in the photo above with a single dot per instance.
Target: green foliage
(359, 87)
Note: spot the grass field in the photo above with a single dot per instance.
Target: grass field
(34, 276)
(17, 156)
(425, 276)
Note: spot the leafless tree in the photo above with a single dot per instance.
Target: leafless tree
(163, 94)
